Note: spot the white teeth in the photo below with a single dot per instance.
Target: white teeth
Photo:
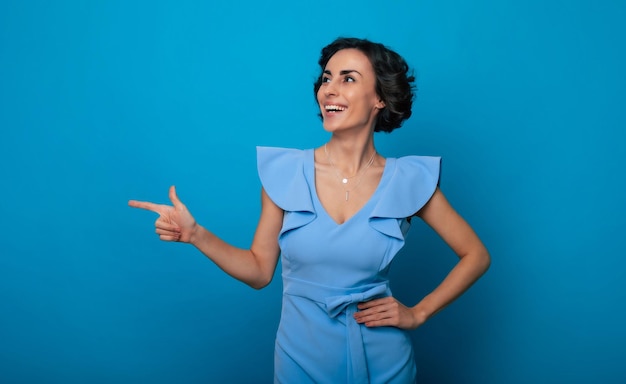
(334, 108)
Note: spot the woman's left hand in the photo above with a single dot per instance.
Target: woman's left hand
(386, 312)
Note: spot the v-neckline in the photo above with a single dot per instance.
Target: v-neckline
(311, 177)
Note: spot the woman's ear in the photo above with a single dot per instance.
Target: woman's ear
(380, 104)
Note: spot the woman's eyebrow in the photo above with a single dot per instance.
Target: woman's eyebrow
(343, 72)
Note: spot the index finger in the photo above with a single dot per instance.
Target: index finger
(144, 205)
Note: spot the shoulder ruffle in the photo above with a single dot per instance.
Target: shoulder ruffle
(281, 171)
(412, 184)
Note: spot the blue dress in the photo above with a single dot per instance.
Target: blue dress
(328, 268)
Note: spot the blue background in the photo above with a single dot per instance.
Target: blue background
(105, 101)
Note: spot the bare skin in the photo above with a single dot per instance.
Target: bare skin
(350, 84)
(254, 266)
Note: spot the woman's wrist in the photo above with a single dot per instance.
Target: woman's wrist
(420, 314)
(196, 235)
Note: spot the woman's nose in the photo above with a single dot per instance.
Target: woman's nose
(330, 89)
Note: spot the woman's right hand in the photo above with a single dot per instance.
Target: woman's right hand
(175, 223)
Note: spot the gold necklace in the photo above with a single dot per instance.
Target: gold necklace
(344, 180)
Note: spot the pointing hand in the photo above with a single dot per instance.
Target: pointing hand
(175, 223)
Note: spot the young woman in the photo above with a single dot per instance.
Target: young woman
(337, 215)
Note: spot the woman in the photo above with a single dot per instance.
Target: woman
(338, 215)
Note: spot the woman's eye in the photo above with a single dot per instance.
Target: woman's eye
(349, 79)
(325, 79)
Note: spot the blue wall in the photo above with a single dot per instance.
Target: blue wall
(105, 101)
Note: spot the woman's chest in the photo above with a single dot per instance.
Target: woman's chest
(334, 254)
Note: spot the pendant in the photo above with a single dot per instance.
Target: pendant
(344, 180)
(347, 195)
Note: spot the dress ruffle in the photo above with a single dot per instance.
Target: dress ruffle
(412, 184)
(281, 172)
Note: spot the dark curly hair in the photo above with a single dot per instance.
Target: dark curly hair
(394, 84)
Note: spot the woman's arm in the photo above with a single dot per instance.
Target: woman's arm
(474, 262)
(254, 266)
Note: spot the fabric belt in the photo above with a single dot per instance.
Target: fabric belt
(339, 301)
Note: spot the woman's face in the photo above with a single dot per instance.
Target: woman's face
(347, 96)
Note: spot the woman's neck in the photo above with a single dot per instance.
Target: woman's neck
(349, 155)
